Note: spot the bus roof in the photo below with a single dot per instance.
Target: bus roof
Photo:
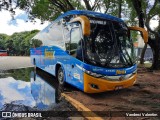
(90, 13)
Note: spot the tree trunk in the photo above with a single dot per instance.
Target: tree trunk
(143, 53)
(88, 6)
(138, 7)
(119, 8)
(156, 52)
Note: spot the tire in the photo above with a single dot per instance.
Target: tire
(60, 76)
(34, 63)
(34, 74)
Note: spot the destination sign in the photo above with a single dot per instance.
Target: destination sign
(101, 22)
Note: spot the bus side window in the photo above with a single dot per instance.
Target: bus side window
(75, 42)
(34, 43)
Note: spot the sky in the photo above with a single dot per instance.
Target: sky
(16, 91)
(9, 26)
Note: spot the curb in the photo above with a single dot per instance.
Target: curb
(80, 107)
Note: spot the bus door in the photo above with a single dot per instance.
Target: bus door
(75, 62)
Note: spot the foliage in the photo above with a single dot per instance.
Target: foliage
(149, 9)
(18, 74)
(21, 74)
(3, 37)
(18, 43)
(50, 9)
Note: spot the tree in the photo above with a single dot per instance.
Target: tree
(3, 38)
(18, 43)
(146, 11)
(138, 8)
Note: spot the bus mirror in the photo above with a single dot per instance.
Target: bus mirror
(85, 24)
(143, 31)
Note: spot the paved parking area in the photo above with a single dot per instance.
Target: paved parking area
(14, 62)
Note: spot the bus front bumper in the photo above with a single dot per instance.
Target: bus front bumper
(95, 85)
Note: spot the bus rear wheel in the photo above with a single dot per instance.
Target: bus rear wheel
(60, 76)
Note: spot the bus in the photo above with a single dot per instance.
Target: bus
(89, 50)
(3, 53)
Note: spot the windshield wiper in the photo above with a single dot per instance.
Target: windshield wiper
(124, 55)
(121, 52)
(129, 57)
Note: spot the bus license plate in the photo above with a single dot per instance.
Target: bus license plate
(118, 87)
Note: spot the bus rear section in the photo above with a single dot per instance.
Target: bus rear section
(91, 51)
(3, 53)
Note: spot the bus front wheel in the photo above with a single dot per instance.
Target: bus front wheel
(60, 76)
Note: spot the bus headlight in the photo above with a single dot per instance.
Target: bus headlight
(93, 74)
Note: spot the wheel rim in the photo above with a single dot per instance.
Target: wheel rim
(60, 76)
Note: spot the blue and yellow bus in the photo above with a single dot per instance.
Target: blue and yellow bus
(89, 50)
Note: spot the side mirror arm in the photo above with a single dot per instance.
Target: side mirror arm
(85, 22)
(142, 30)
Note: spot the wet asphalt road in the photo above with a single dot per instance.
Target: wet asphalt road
(24, 82)
(14, 62)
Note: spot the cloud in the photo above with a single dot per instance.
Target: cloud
(15, 91)
(9, 26)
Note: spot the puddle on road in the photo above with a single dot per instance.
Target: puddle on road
(37, 90)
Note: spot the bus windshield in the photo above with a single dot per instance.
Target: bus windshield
(109, 45)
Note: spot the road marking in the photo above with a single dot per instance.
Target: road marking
(80, 107)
